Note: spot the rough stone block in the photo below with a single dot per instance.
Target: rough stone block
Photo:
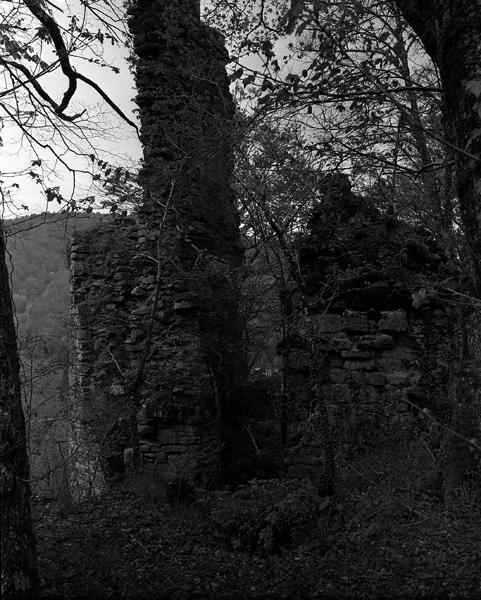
(414, 378)
(355, 322)
(134, 348)
(117, 389)
(397, 398)
(357, 354)
(376, 379)
(145, 428)
(336, 361)
(123, 276)
(337, 393)
(185, 307)
(324, 323)
(147, 280)
(341, 342)
(362, 365)
(337, 375)
(188, 437)
(374, 397)
(395, 321)
(399, 358)
(136, 334)
(174, 449)
(378, 341)
(149, 456)
(416, 394)
(397, 378)
(138, 291)
(167, 436)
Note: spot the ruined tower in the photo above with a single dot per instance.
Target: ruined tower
(185, 359)
(155, 341)
(371, 328)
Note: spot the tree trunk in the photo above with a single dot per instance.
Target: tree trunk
(414, 120)
(450, 30)
(18, 560)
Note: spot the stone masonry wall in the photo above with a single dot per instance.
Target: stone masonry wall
(188, 244)
(103, 427)
(186, 113)
(155, 328)
(367, 334)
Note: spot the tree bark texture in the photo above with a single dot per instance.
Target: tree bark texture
(451, 32)
(17, 544)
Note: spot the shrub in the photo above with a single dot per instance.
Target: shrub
(148, 485)
(269, 515)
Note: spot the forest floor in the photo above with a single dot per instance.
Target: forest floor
(376, 539)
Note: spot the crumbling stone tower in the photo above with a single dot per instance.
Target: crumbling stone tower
(371, 330)
(185, 358)
(154, 335)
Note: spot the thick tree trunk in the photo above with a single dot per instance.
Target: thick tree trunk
(459, 61)
(17, 544)
(450, 31)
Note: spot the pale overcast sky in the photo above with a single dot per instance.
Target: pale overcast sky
(117, 144)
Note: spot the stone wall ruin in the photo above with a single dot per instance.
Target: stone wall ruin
(176, 315)
(157, 359)
(189, 236)
(102, 418)
(369, 338)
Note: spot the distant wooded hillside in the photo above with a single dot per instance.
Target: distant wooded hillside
(38, 247)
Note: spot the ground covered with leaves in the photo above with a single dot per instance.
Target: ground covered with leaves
(378, 538)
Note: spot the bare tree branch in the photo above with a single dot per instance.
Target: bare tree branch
(55, 34)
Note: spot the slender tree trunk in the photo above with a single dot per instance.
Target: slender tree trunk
(285, 310)
(17, 543)
(459, 60)
(415, 121)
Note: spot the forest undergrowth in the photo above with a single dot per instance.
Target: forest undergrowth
(386, 534)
